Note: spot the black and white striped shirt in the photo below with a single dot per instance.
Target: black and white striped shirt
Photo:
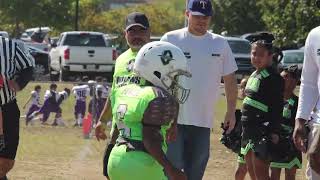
(13, 59)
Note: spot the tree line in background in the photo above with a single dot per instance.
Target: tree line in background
(288, 20)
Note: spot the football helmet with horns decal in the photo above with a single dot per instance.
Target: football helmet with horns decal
(164, 65)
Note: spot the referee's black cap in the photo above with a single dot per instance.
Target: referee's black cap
(318, 3)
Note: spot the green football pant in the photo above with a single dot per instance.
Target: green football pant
(133, 165)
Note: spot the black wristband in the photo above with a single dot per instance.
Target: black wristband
(106, 159)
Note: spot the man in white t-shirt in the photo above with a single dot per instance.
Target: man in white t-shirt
(209, 59)
(309, 105)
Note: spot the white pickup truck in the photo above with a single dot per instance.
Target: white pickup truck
(81, 53)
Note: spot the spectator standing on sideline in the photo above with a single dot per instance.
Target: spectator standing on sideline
(137, 34)
(291, 157)
(262, 109)
(209, 58)
(241, 170)
(309, 102)
(16, 71)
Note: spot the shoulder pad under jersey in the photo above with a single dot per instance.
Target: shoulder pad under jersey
(161, 110)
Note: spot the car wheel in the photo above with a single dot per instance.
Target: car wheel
(39, 69)
(39, 72)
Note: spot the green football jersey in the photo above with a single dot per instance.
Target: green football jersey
(123, 71)
(128, 107)
(124, 75)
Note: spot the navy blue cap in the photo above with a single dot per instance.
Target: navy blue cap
(200, 7)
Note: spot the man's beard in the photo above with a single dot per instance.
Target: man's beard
(136, 43)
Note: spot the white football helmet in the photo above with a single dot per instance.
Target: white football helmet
(161, 63)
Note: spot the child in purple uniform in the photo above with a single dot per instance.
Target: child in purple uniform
(35, 103)
(80, 92)
(49, 104)
(61, 96)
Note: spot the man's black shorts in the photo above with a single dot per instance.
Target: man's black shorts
(11, 115)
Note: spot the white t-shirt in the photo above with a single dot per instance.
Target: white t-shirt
(35, 96)
(310, 81)
(81, 92)
(209, 57)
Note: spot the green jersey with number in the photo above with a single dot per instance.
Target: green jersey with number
(128, 107)
(123, 71)
(123, 74)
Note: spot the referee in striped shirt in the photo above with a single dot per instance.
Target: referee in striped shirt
(16, 68)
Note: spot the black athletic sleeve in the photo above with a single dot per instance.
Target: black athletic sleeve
(276, 90)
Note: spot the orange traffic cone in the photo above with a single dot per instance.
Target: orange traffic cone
(86, 126)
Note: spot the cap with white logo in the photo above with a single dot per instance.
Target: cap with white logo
(200, 7)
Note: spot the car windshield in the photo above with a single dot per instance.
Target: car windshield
(38, 36)
(84, 40)
(239, 47)
(293, 57)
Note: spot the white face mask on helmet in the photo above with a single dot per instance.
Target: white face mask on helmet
(164, 65)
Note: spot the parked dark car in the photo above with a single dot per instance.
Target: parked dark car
(292, 57)
(41, 59)
(241, 50)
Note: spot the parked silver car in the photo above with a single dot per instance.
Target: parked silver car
(241, 49)
(291, 57)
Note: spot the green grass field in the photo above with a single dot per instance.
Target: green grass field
(61, 153)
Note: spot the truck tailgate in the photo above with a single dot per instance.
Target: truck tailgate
(91, 55)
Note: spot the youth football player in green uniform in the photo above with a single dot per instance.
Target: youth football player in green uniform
(142, 113)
